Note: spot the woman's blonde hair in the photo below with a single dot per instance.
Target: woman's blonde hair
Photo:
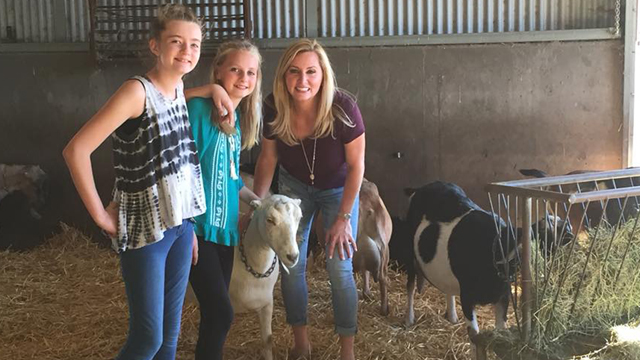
(327, 110)
(170, 12)
(251, 105)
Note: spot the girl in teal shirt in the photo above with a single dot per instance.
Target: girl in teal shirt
(236, 68)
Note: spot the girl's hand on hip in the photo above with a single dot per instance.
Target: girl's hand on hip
(339, 236)
(194, 251)
(109, 220)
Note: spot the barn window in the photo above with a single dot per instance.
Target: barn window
(121, 28)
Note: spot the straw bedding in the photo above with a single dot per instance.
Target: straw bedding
(65, 300)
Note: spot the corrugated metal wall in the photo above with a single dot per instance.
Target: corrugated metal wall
(35, 20)
(278, 18)
(341, 18)
(26, 20)
(78, 21)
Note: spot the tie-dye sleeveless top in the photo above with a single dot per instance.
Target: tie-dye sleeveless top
(158, 179)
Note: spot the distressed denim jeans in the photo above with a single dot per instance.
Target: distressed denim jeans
(344, 295)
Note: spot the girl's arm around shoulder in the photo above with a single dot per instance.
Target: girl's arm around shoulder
(128, 102)
(221, 100)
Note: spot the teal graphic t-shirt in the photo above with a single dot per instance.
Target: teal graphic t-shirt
(220, 162)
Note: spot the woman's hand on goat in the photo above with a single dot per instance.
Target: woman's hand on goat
(339, 236)
(194, 250)
(243, 223)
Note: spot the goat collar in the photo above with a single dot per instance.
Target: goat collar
(243, 257)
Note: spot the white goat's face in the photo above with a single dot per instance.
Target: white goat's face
(281, 218)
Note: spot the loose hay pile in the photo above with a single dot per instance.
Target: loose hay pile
(582, 293)
(66, 300)
(588, 286)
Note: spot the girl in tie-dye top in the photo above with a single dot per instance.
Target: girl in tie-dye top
(158, 184)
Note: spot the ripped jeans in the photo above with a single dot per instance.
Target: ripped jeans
(344, 295)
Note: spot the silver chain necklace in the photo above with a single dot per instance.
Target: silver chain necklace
(313, 160)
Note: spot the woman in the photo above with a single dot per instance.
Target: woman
(315, 131)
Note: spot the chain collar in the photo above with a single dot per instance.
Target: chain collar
(243, 257)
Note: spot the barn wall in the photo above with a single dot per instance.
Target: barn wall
(470, 114)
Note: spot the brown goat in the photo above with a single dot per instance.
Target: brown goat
(374, 232)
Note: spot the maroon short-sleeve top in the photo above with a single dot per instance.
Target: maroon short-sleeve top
(330, 169)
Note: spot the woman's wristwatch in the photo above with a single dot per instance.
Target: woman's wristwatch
(346, 216)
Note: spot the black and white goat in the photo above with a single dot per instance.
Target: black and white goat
(457, 248)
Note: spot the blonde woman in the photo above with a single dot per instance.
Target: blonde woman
(316, 133)
(236, 69)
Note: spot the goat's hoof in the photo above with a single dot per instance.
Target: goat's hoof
(409, 322)
(453, 320)
(366, 295)
(384, 310)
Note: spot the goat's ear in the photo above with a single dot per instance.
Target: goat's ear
(409, 191)
(255, 204)
(297, 201)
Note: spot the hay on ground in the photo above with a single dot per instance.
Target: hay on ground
(66, 300)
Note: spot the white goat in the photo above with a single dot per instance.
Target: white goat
(270, 235)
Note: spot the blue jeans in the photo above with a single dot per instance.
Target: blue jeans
(294, 285)
(155, 278)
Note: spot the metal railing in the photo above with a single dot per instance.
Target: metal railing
(579, 255)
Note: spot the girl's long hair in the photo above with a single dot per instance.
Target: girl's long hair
(251, 105)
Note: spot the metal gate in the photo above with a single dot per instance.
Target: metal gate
(580, 259)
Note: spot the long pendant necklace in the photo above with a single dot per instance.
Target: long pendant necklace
(232, 150)
(311, 167)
